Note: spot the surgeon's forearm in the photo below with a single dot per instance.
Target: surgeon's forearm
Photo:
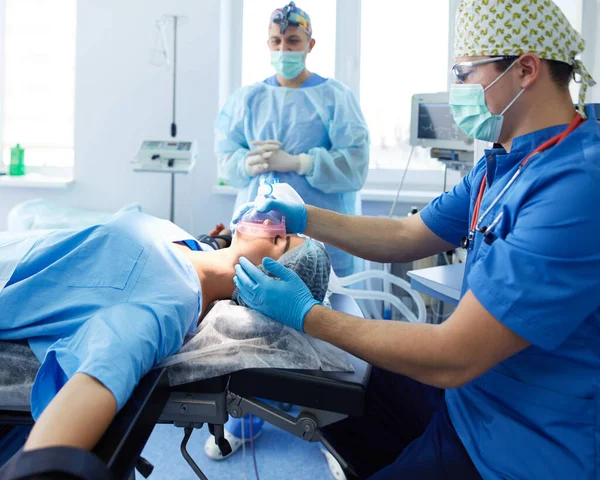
(468, 344)
(416, 350)
(76, 417)
(377, 239)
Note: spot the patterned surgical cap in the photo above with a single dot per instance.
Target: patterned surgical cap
(514, 27)
(291, 15)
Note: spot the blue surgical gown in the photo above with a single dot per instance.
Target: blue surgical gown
(322, 119)
(111, 301)
(536, 414)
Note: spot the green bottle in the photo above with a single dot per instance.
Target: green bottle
(17, 161)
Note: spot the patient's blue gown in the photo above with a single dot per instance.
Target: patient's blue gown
(110, 301)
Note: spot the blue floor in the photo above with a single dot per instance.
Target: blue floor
(279, 455)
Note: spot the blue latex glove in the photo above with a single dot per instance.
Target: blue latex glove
(243, 208)
(294, 213)
(286, 300)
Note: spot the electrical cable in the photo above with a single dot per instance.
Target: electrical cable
(401, 182)
(439, 318)
(253, 448)
(244, 449)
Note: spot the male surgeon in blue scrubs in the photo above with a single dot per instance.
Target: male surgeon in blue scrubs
(509, 385)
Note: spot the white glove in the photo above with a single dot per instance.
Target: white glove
(278, 160)
(256, 163)
(266, 145)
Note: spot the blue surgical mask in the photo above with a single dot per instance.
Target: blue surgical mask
(288, 64)
(472, 114)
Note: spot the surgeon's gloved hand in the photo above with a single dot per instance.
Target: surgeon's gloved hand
(266, 145)
(294, 213)
(243, 208)
(279, 160)
(257, 159)
(255, 164)
(286, 300)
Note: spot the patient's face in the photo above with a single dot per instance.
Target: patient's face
(257, 248)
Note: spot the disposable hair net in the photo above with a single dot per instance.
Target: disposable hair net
(312, 264)
(232, 338)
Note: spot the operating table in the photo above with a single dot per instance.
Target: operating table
(324, 398)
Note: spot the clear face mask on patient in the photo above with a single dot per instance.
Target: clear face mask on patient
(257, 224)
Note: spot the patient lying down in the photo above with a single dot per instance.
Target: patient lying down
(108, 303)
(232, 338)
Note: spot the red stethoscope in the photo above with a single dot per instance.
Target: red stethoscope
(468, 241)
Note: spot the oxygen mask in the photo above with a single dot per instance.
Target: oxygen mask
(259, 224)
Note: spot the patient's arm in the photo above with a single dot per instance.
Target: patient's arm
(76, 417)
(220, 230)
(214, 241)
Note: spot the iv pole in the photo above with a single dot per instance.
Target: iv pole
(173, 123)
(171, 156)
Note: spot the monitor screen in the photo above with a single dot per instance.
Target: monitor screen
(437, 123)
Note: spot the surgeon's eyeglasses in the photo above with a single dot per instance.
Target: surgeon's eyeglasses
(462, 70)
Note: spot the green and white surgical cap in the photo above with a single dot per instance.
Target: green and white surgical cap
(514, 27)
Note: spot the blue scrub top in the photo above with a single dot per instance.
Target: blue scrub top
(537, 414)
(110, 301)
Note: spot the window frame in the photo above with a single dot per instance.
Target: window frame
(46, 170)
(589, 13)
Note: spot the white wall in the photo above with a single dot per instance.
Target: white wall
(591, 55)
(122, 99)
